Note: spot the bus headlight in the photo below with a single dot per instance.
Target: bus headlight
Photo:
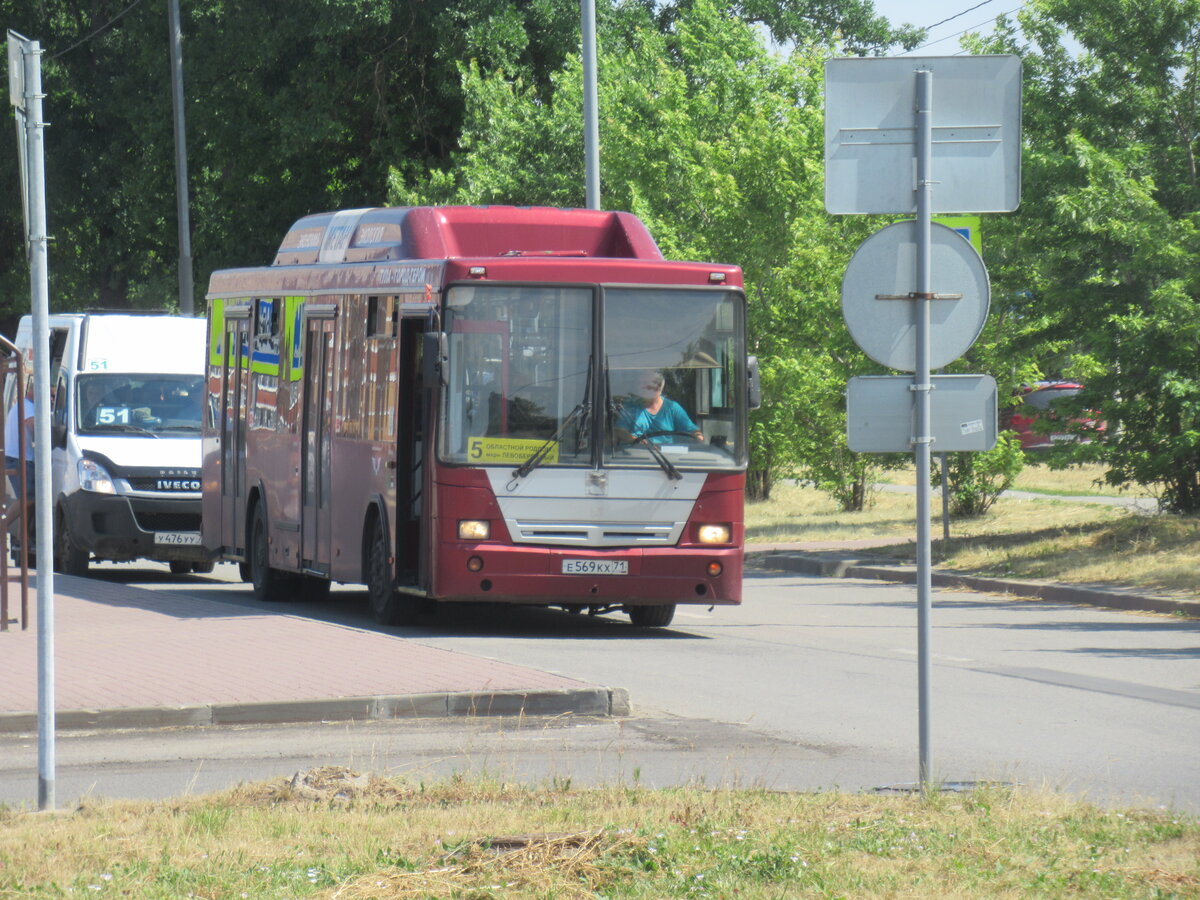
(474, 529)
(94, 477)
(715, 534)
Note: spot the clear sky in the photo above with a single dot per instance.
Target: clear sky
(943, 40)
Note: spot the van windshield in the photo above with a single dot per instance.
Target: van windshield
(138, 404)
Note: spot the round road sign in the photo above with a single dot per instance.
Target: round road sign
(881, 316)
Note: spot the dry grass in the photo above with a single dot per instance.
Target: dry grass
(1037, 477)
(335, 834)
(1042, 538)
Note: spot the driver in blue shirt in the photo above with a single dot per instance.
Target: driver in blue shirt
(653, 414)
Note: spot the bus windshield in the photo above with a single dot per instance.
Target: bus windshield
(530, 381)
(674, 360)
(519, 374)
(137, 404)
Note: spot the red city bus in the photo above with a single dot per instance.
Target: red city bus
(459, 404)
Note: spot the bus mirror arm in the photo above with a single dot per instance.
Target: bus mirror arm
(434, 357)
(753, 384)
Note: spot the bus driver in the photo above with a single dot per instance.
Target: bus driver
(655, 415)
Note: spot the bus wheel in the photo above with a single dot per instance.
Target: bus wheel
(270, 585)
(387, 605)
(69, 557)
(652, 616)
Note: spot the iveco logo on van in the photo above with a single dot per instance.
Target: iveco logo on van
(177, 480)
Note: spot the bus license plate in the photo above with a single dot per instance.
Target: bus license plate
(178, 538)
(595, 567)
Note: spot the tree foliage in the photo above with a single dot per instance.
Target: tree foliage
(1100, 265)
(287, 113)
(716, 144)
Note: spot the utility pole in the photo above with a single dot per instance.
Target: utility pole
(181, 168)
(591, 116)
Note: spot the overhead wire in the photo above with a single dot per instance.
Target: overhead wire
(97, 31)
(965, 30)
(957, 15)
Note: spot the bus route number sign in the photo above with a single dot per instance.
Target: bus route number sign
(508, 450)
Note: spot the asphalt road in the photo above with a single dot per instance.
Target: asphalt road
(810, 684)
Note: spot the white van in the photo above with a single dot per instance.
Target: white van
(125, 435)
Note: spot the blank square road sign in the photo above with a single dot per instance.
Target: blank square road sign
(870, 134)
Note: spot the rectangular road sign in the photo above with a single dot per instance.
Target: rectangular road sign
(880, 413)
(870, 134)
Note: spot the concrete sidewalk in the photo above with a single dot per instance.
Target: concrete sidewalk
(126, 657)
(845, 559)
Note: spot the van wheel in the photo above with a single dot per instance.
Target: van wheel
(387, 605)
(69, 557)
(203, 568)
(652, 616)
(270, 585)
(179, 567)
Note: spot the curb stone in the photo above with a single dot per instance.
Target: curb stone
(476, 704)
(882, 569)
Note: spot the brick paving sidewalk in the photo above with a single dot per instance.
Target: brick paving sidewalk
(121, 647)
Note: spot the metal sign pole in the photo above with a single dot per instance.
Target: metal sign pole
(922, 386)
(33, 149)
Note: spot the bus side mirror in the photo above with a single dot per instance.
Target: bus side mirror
(753, 384)
(434, 357)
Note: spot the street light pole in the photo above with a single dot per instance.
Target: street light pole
(186, 290)
(591, 116)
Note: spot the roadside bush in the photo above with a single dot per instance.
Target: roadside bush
(976, 480)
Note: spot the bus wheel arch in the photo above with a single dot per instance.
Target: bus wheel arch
(269, 585)
(388, 605)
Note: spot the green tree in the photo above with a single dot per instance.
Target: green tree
(716, 144)
(1100, 266)
(287, 114)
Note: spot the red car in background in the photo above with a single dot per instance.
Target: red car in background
(1039, 400)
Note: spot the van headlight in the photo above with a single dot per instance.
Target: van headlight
(94, 477)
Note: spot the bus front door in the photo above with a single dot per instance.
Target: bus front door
(314, 449)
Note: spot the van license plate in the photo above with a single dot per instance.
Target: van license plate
(178, 538)
(595, 567)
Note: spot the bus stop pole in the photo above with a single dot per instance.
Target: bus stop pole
(591, 115)
(922, 387)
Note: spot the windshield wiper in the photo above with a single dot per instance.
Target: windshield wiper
(661, 459)
(543, 451)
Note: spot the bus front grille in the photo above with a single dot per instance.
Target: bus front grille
(595, 534)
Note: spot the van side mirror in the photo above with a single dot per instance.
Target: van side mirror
(434, 356)
(753, 384)
(58, 435)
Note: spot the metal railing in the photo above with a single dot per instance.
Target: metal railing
(15, 510)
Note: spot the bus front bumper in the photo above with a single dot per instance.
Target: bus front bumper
(537, 575)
